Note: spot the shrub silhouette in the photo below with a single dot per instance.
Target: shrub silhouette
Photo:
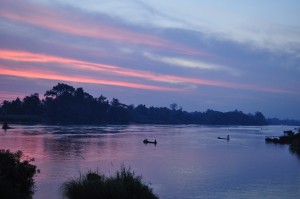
(123, 185)
(16, 176)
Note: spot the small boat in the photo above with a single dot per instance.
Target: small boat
(145, 141)
(5, 126)
(226, 138)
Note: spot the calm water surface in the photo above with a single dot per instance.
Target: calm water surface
(188, 162)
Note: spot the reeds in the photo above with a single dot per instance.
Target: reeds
(123, 185)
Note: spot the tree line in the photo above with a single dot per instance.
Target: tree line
(64, 104)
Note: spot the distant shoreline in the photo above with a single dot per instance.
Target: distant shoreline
(64, 104)
(105, 124)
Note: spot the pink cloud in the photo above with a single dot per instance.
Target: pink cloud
(50, 75)
(23, 56)
(66, 22)
(9, 95)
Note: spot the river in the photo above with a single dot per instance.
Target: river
(188, 162)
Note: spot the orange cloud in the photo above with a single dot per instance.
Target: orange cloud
(70, 23)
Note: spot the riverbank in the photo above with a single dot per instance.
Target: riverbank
(290, 137)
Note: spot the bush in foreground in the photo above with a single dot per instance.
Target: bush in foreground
(123, 185)
(16, 175)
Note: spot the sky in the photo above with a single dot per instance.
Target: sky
(221, 55)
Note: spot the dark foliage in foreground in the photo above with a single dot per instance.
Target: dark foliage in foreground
(64, 104)
(16, 176)
(291, 138)
(124, 184)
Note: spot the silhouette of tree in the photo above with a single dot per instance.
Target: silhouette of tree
(60, 90)
(32, 104)
(58, 103)
(101, 110)
(16, 175)
(118, 112)
(13, 107)
(260, 118)
(173, 106)
(65, 104)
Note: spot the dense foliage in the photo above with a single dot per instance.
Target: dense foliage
(289, 137)
(16, 176)
(124, 184)
(66, 105)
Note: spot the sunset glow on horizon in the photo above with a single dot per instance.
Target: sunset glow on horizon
(21, 56)
(147, 54)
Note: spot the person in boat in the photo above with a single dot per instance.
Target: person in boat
(147, 141)
(224, 138)
(5, 126)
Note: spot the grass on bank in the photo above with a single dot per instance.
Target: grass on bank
(123, 185)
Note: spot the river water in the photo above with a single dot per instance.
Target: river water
(188, 162)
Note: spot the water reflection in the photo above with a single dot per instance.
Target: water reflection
(63, 148)
(188, 161)
(295, 151)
